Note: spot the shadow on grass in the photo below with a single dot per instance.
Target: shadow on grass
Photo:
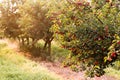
(57, 53)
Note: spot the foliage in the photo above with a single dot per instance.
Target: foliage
(34, 21)
(9, 16)
(94, 70)
(35, 24)
(114, 53)
(26, 21)
(1, 34)
(88, 30)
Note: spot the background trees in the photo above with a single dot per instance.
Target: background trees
(9, 17)
(34, 22)
(27, 21)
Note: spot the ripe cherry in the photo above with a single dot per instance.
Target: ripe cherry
(113, 55)
(96, 62)
(107, 0)
(118, 42)
(79, 3)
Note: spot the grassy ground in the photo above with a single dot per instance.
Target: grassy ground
(110, 71)
(57, 53)
(14, 66)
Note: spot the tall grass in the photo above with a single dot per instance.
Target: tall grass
(110, 71)
(14, 66)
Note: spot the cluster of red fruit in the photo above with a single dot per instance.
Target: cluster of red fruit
(107, 0)
(82, 4)
(118, 42)
(112, 56)
(58, 32)
(96, 63)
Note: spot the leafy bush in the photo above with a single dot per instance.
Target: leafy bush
(87, 31)
(114, 53)
(94, 71)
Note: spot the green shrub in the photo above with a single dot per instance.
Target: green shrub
(88, 31)
(94, 71)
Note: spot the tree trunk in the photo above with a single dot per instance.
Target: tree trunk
(49, 45)
(45, 45)
(49, 48)
(22, 41)
(18, 39)
(27, 39)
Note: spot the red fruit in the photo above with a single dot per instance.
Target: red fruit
(109, 59)
(79, 3)
(112, 4)
(63, 46)
(99, 38)
(61, 33)
(58, 22)
(103, 49)
(56, 32)
(107, 0)
(64, 66)
(96, 62)
(106, 30)
(95, 39)
(113, 54)
(73, 17)
(87, 4)
(72, 49)
(118, 42)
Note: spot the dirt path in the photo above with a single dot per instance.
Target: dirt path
(66, 73)
(11, 44)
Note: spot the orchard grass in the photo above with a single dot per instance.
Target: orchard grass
(14, 66)
(110, 71)
(58, 54)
